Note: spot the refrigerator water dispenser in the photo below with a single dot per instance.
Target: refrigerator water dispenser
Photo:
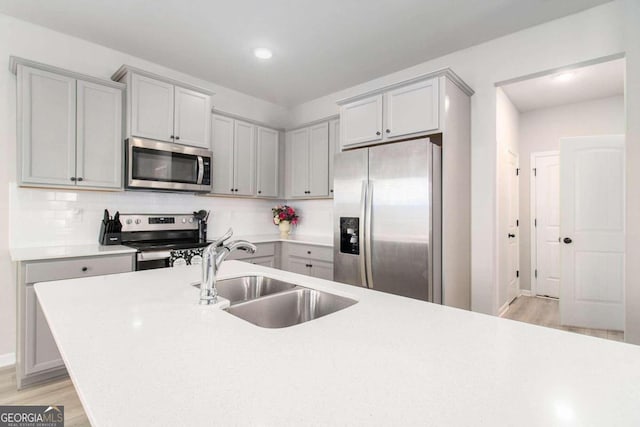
(349, 232)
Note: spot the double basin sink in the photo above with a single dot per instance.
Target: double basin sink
(272, 303)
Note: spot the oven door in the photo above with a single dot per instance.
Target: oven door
(148, 260)
(165, 166)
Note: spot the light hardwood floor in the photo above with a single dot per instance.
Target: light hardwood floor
(56, 392)
(546, 312)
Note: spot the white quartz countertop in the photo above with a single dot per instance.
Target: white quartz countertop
(293, 238)
(141, 351)
(69, 251)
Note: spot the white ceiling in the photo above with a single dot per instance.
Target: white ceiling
(319, 47)
(586, 83)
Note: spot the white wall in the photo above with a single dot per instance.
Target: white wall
(594, 33)
(316, 217)
(632, 99)
(541, 130)
(64, 210)
(507, 123)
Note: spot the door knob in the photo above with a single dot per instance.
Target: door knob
(567, 240)
(511, 236)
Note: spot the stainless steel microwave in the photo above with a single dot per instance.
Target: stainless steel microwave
(165, 166)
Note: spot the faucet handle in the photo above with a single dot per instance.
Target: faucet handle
(224, 237)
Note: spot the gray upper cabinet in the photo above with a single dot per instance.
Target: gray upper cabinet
(244, 159)
(47, 125)
(308, 161)
(398, 111)
(164, 109)
(69, 128)
(334, 147)
(192, 124)
(222, 130)
(298, 162)
(234, 156)
(361, 121)
(267, 162)
(151, 108)
(98, 135)
(319, 160)
(411, 109)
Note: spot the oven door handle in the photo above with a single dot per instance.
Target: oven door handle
(153, 255)
(200, 169)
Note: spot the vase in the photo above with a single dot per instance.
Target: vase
(285, 229)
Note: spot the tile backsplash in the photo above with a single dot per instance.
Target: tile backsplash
(50, 217)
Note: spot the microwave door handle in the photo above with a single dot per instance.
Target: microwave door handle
(200, 169)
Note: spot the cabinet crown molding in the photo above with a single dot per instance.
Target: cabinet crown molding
(15, 60)
(446, 72)
(124, 69)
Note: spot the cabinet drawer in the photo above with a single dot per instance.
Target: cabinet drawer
(77, 267)
(311, 252)
(263, 250)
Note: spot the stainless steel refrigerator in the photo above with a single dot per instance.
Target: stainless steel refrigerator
(387, 218)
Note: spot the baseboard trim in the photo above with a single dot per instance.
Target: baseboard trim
(7, 359)
(503, 310)
(525, 292)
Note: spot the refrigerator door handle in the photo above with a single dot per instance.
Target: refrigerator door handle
(363, 213)
(367, 235)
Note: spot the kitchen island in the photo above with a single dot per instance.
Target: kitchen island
(141, 351)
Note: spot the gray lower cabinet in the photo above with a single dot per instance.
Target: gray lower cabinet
(267, 254)
(69, 128)
(38, 358)
(311, 260)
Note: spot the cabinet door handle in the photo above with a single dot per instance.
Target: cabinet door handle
(511, 236)
(567, 240)
(172, 137)
(331, 191)
(259, 192)
(85, 268)
(177, 137)
(309, 252)
(231, 189)
(73, 178)
(378, 133)
(80, 179)
(388, 130)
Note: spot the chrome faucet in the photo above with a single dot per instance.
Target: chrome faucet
(213, 255)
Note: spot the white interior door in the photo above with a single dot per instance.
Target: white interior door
(546, 223)
(592, 205)
(513, 236)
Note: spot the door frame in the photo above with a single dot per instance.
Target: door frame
(533, 230)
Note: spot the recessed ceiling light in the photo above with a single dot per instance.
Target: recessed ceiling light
(262, 53)
(564, 77)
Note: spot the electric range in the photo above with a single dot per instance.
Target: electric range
(164, 240)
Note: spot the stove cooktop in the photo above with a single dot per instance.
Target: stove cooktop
(164, 246)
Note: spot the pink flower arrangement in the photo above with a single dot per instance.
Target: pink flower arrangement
(284, 213)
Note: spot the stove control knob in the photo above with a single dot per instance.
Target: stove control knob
(184, 220)
(138, 221)
(190, 220)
